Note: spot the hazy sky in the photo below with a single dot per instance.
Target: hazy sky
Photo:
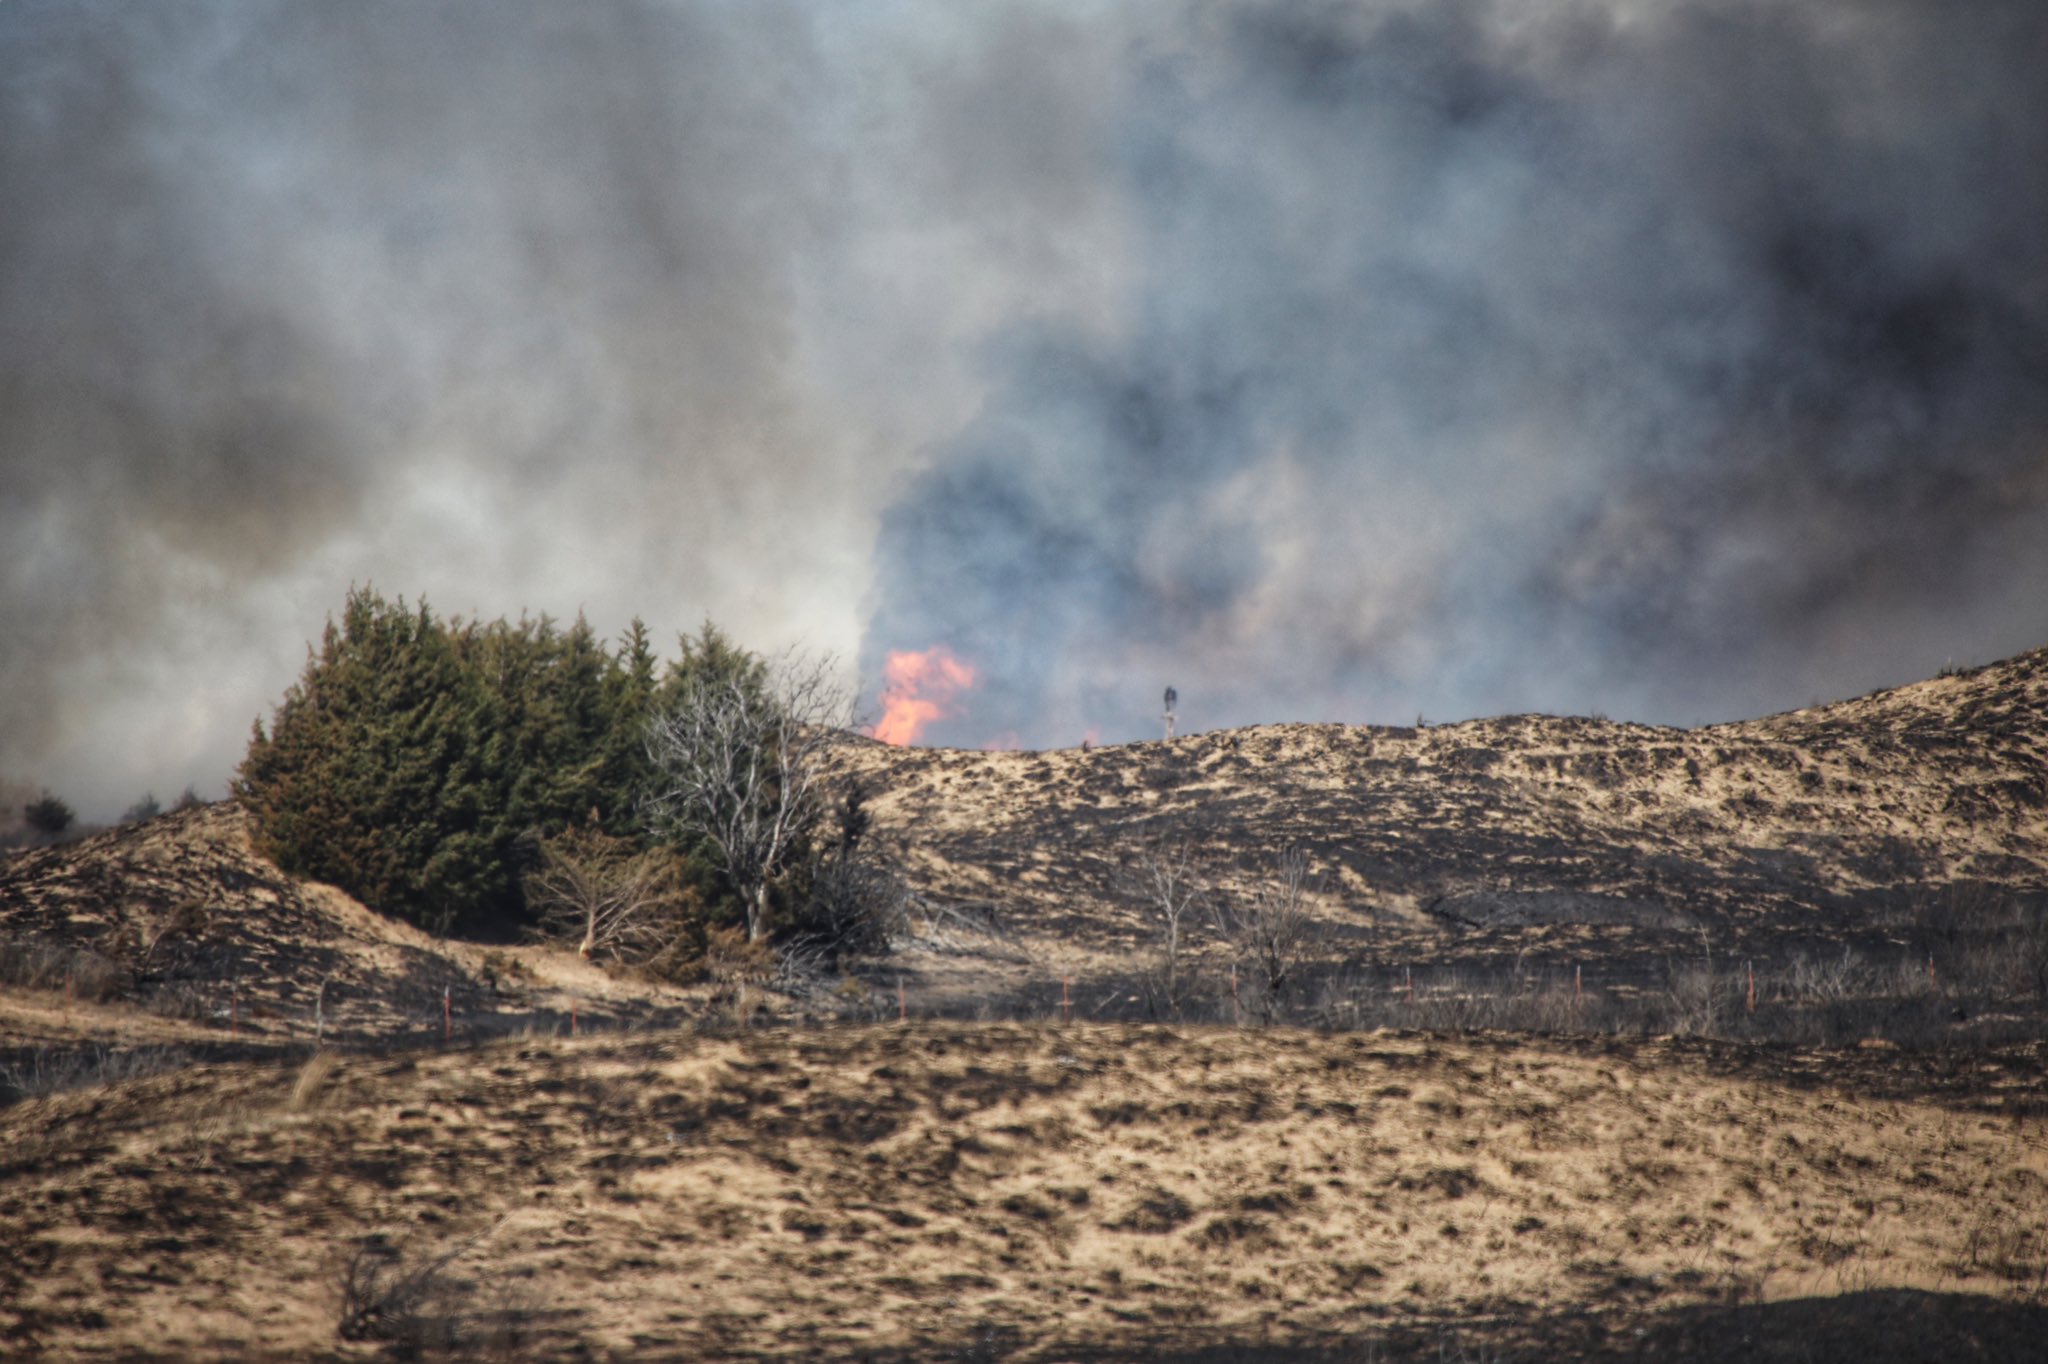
(1681, 361)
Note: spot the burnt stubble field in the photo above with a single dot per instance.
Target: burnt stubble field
(1595, 1041)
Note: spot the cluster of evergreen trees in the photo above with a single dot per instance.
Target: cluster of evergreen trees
(419, 763)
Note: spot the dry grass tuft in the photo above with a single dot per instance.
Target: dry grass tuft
(312, 1079)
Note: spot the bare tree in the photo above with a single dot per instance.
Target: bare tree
(616, 899)
(856, 898)
(1169, 881)
(740, 755)
(1273, 930)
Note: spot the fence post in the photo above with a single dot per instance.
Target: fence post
(447, 1017)
(1752, 987)
(1578, 984)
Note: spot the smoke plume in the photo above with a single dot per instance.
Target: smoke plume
(1680, 361)
(1326, 360)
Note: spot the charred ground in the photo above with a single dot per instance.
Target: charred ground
(961, 1191)
(1909, 824)
(1857, 1167)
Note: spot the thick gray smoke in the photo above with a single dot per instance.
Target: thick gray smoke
(632, 308)
(1681, 361)
(293, 295)
(1324, 360)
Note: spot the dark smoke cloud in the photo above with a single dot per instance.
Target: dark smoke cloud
(297, 294)
(508, 303)
(1686, 361)
(1323, 360)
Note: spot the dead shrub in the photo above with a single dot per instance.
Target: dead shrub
(732, 959)
(53, 1070)
(416, 1305)
(1694, 994)
(503, 972)
(1168, 880)
(2002, 1248)
(848, 900)
(1825, 980)
(187, 999)
(1273, 934)
(615, 900)
(42, 965)
(160, 931)
(401, 1301)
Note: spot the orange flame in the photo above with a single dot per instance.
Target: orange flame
(918, 688)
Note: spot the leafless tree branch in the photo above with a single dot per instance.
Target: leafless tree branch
(741, 758)
(1168, 880)
(1273, 930)
(616, 900)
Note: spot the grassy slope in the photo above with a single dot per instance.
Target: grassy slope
(1055, 1192)
(1795, 821)
(952, 1191)
(1906, 824)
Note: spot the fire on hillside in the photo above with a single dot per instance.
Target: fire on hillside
(918, 688)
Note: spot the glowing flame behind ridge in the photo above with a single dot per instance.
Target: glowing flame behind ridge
(918, 688)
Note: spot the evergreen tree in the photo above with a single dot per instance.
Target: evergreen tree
(426, 766)
(48, 815)
(632, 688)
(710, 660)
(374, 774)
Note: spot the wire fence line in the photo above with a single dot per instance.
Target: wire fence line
(1817, 998)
